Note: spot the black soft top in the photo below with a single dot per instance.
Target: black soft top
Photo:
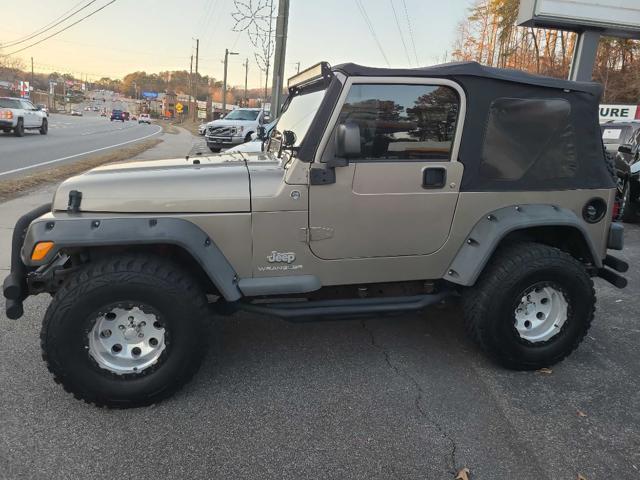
(471, 69)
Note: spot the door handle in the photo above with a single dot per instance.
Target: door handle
(434, 177)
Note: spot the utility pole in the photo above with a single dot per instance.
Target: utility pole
(282, 24)
(246, 76)
(224, 82)
(191, 82)
(197, 84)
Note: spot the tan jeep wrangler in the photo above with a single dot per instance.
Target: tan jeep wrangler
(380, 191)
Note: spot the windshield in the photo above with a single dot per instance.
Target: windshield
(243, 115)
(298, 116)
(615, 134)
(9, 103)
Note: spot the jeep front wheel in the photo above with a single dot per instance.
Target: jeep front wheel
(531, 307)
(125, 332)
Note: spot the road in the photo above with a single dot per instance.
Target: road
(405, 397)
(69, 139)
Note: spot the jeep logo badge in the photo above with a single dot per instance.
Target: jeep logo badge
(281, 257)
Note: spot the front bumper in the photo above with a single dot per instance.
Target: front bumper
(6, 124)
(224, 141)
(15, 285)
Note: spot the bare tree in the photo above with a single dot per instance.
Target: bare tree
(256, 18)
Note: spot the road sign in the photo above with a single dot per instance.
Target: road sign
(179, 107)
(202, 113)
(150, 95)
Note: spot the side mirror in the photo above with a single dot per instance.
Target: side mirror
(288, 138)
(348, 140)
(261, 132)
(625, 148)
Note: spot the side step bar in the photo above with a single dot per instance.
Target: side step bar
(304, 310)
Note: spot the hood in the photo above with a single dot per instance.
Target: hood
(230, 123)
(219, 183)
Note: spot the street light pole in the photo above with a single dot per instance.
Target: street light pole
(224, 82)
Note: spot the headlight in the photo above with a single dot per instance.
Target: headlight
(239, 129)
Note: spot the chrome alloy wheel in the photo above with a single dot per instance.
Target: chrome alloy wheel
(126, 340)
(541, 313)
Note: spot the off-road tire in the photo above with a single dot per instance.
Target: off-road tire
(44, 128)
(18, 131)
(489, 306)
(215, 149)
(126, 278)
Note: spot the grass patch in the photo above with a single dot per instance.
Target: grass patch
(19, 186)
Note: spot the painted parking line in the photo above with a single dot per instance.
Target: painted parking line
(49, 162)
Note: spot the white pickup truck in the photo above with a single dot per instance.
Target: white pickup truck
(234, 129)
(18, 115)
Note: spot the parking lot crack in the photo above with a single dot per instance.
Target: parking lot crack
(450, 458)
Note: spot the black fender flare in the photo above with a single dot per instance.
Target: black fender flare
(80, 231)
(490, 230)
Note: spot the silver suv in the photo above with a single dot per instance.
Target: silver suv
(379, 191)
(18, 115)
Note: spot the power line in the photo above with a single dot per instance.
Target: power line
(404, 45)
(413, 42)
(371, 29)
(48, 27)
(60, 31)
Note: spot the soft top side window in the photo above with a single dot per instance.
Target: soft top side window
(529, 138)
(402, 122)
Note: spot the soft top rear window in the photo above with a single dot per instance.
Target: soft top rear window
(529, 139)
(9, 103)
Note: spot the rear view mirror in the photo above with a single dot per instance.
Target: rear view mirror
(348, 140)
(625, 148)
(288, 138)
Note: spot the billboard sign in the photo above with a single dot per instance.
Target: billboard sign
(619, 18)
(24, 89)
(150, 95)
(619, 113)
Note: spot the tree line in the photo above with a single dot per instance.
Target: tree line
(489, 35)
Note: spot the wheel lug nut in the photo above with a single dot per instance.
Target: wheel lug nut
(121, 327)
(131, 319)
(143, 323)
(140, 335)
(105, 333)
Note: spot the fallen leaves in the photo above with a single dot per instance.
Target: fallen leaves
(581, 413)
(581, 477)
(546, 371)
(464, 474)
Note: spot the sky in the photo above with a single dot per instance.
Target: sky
(157, 35)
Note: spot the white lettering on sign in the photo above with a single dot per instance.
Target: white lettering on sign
(617, 112)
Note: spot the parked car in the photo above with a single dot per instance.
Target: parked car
(257, 142)
(76, 113)
(372, 197)
(18, 115)
(117, 115)
(202, 128)
(234, 129)
(622, 142)
(144, 118)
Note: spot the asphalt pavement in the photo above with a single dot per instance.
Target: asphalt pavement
(406, 397)
(69, 139)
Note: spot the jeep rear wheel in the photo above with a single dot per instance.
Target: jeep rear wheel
(44, 128)
(531, 307)
(125, 332)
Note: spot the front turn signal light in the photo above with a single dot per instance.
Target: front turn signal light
(41, 250)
